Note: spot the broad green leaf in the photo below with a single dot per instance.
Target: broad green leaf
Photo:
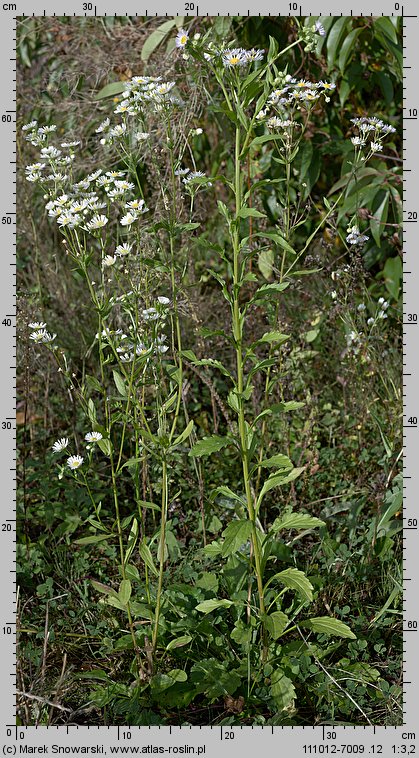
(211, 605)
(131, 462)
(132, 540)
(110, 90)
(179, 642)
(278, 479)
(147, 504)
(227, 492)
(91, 411)
(279, 239)
(282, 690)
(209, 445)
(190, 356)
(295, 579)
(131, 572)
(235, 535)
(348, 47)
(213, 549)
(277, 461)
(214, 678)
(233, 401)
(331, 626)
(116, 603)
(393, 276)
(311, 335)
(274, 336)
(262, 139)
(156, 38)
(161, 682)
(183, 436)
(334, 39)
(268, 291)
(119, 383)
(124, 592)
(246, 212)
(103, 588)
(266, 262)
(296, 521)
(291, 405)
(377, 223)
(242, 633)
(208, 581)
(105, 446)
(276, 623)
(92, 540)
(145, 554)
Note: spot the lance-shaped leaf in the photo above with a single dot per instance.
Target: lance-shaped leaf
(212, 605)
(296, 580)
(277, 480)
(330, 626)
(183, 435)
(235, 535)
(209, 445)
(282, 690)
(296, 521)
(276, 623)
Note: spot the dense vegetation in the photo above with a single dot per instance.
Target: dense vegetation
(210, 353)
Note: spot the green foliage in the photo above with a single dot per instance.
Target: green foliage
(239, 367)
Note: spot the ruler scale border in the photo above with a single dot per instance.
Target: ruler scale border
(219, 741)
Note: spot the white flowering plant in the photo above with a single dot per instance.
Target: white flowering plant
(133, 256)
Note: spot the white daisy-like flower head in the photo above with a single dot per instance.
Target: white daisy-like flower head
(193, 175)
(376, 147)
(254, 55)
(47, 337)
(97, 222)
(108, 261)
(47, 129)
(69, 219)
(357, 141)
(128, 219)
(182, 171)
(115, 174)
(355, 237)
(136, 205)
(60, 445)
(123, 249)
(103, 126)
(74, 462)
(70, 144)
(93, 436)
(50, 152)
(182, 38)
(234, 58)
(37, 336)
(141, 136)
(34, 167)
(163, 300)
(118, 131)
(124, 185)
(150, 314)
(36, 325)
(30, 126)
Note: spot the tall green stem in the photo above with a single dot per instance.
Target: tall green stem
(238, 338)
(162, 548)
